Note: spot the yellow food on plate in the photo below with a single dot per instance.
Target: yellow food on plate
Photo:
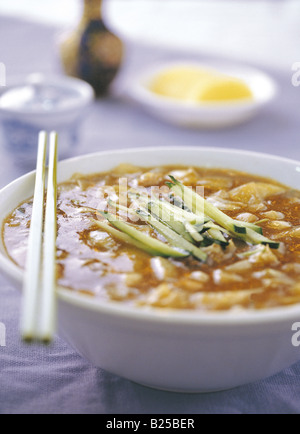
(199, 85)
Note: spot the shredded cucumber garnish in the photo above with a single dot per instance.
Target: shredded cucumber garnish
(247, 232)
(171, 236)
(128, 234)
(187, 224)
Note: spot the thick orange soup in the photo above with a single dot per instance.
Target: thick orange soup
(173, 238)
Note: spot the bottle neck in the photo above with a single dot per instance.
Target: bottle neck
(92, 10)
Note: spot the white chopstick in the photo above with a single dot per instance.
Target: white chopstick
(39, 306)
(48, 303)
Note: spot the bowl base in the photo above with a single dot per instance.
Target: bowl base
(187, 391)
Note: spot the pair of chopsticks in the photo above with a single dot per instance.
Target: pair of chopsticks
(39, 292)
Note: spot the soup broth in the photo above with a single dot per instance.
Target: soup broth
(234, 274)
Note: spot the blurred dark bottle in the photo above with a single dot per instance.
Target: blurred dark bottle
(92, 52)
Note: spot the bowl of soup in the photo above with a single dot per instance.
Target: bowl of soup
(207, 308)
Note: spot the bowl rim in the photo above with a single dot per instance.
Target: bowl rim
(149, 314)
(140, 93)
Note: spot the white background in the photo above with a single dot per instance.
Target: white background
(260, 31)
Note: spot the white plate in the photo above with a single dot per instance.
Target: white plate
(197, 115)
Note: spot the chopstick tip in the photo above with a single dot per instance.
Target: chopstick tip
(28, 340)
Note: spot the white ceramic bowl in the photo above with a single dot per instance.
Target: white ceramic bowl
(37, 102)
(212, 115)
(172, 350)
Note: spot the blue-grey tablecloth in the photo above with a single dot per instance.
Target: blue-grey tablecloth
(57, 380)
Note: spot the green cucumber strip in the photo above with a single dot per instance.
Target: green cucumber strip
(192, 230)
(176, 226)
(144, 242)
(217, 233)
(179, 220)
(218, 237)
(181, 214)
(207, 241)
(254, 227)
(184, 215)
(237, 229)
(196, 202)
(200, 228)
(120, 236)
(169, 219)
(172, 237)
(253, 237)
(212, 225)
